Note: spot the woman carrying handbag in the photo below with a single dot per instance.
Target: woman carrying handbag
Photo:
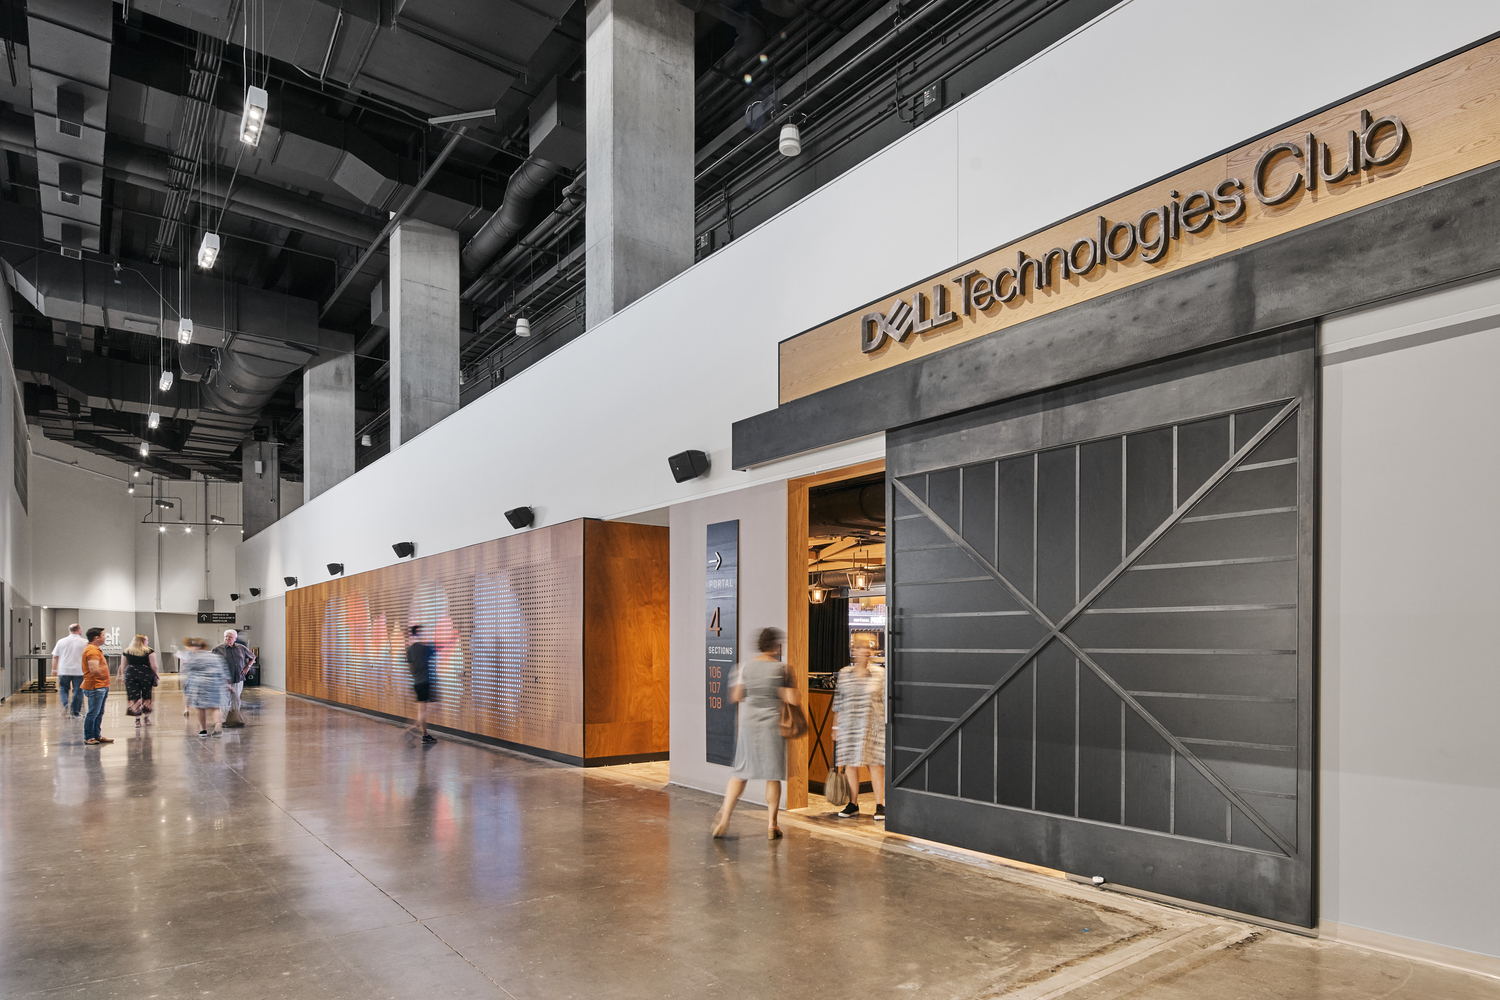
(763, 689)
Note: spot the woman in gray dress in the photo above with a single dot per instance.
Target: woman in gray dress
(859, 727)
(759, 687)
(205, 684)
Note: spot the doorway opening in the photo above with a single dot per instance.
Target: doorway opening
(836, 526)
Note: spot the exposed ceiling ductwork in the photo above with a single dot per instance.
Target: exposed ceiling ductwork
(70, 45)
(260, 337)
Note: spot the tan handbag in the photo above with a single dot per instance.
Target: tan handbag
(234, 720)
(836, 788)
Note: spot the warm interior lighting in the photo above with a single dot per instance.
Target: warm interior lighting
(188, 528)
(165, 382)
(216, 519)
(145, 449)
(135, 471)
(165, 504)
(153, 420)
(162, 529)
(184, 331)
(523, 327)
(208, 250)
(860, 580)
(254, 117)
(817, 595)
(130, 489)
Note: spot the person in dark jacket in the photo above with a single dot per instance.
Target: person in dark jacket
(419, 657)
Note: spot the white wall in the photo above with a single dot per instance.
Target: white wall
(761, 512)
(93, 551)
(265, 627)
(1411, 577)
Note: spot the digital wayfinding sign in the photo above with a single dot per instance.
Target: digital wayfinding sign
(723, 630)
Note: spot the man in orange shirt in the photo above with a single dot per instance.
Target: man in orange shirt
(95, 687)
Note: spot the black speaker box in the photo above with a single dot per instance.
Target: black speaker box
(520, 517)
(688, 465)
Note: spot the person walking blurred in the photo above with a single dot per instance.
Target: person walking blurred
(238, 659)
(859, 728)
(141, 675)
(95, 687)
(759, 687)
(67, 664)
(205, 684)
(419, 657)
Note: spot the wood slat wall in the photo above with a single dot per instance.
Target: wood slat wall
(531, 644)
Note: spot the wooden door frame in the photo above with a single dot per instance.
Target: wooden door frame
(796, 604)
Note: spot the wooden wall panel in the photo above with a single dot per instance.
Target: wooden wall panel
(505, 615)
(1449, 109)
(626, 672)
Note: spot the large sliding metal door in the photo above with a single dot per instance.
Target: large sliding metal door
(1103, 608)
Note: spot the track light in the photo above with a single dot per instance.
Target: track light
(166, 504)
(145, 449)
(254, 117)
(404, 549)
(165, 382)
(791, 140)
(335, 569)
(187, 529)
(523, 327)
(185, 327)
(254, 591)
(216, 519)
(153, 420)
(234, 597)
(162, 529)
(290, 581)
(208, 250)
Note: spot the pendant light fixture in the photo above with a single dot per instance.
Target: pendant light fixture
(523, 326)
(153, 420)
(145, 449)
(165, 382)
(184, 331)
(208, 250)
(791, 140)
(859, 579)
(254, 118)
(817, 595)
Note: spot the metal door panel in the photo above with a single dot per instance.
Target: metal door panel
(1147, 715)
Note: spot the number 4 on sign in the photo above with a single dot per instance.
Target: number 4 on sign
(713, 623)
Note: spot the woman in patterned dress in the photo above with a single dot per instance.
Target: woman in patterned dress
(859, 727)
(205, 684)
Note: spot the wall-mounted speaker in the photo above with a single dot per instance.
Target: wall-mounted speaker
(334, 569)
(520, 517)
(254, 591)
(291, 581)
(234, 597)
(404, 549)
(688, 465)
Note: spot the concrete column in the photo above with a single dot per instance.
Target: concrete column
(328, 420)
(424, 328)
(260, 489)
(639, 108)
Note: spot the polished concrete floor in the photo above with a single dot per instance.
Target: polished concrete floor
(319, 854)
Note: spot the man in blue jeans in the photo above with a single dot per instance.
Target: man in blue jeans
(95, 688)
(67, 664)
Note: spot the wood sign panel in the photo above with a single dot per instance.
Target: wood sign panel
(1433, 124)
